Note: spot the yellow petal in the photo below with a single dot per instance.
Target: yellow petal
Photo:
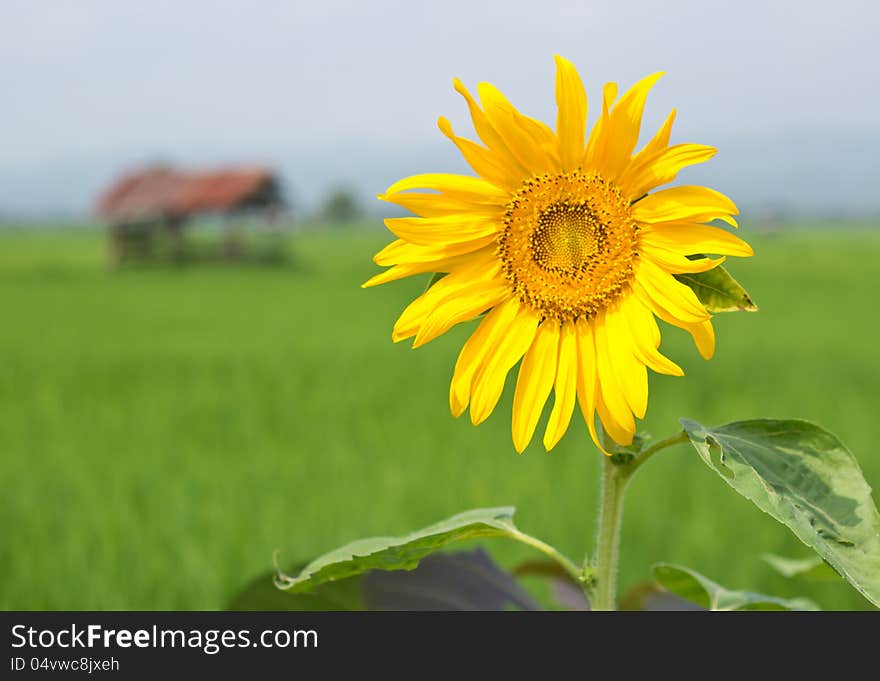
(659, 141)
(452, 284)
(676, 263)
(663, 292)
(586, 377)
(594, 156)
(395, 273)
(565, 386)
(704, 338)
(462, 307)
(489, 135)
(490, 377)
(428, 205)
(481, 344)
(534, 382)
(688, 238)
(646, 337)
(443, 229)
(642, 321)
(683, 203)
(484, 162)
(402, 252)
(661, 168)
(625, 122)
(441, 265)
(621, 434)
(462, 187)
(530, 141)
(702, 332)
(632, 377)
(610, 391)
(571, 117)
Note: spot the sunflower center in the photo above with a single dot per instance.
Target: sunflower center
(569, 245)
(565, 238)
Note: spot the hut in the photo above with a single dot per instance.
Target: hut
(147, 212)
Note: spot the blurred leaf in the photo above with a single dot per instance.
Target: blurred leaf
(404, 553)
(467, 580)
(568, 595)
(461, 581)
(540, 568)
(566, 591)
(813, 569)
(262, 594)
(718, 290)
(651, 596)
(694, 587)
(805, 478)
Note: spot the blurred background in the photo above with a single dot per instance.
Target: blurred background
(190, 375)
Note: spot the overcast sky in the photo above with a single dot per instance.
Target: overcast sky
(350, 91)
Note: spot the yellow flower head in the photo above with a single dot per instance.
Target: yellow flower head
(562, 241)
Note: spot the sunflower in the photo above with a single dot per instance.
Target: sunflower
(563, 244)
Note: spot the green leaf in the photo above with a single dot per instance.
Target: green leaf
(805, 478)
(813, 569)
(261, 594)
(650, 596)
(463, 580)
(718, 290)
(566, 591)
(404, 553)
(694, 587)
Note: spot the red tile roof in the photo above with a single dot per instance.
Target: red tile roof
(161, 192)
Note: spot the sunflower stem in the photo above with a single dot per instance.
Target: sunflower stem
(617, 471)
(614, 480)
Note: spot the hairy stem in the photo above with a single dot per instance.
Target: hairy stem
(617, 471)
(614, 481)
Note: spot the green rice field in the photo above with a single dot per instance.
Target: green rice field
(164, 429)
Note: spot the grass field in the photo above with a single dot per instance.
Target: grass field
(163, 431)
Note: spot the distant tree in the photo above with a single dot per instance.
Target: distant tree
(340, 205)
